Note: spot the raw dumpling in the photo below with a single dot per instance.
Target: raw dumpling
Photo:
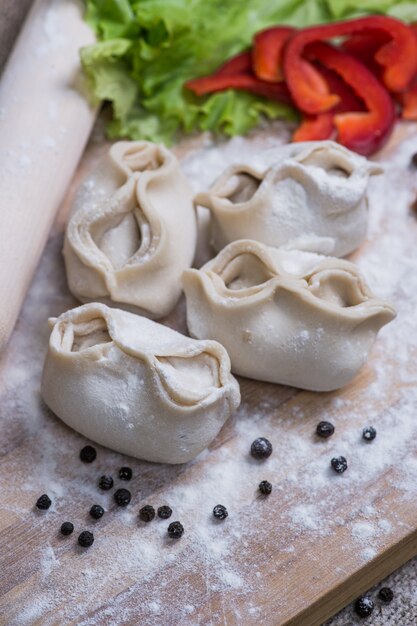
(135, 385)
(287, 317)
(313, 196)
(132, 231)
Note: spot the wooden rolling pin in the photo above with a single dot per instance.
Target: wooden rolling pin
(45, 121)
(12, 14)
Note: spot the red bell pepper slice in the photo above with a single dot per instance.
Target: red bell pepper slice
(236, 73)
(267, 57)
(315, 127)
(239, 64)
(349, 101)
(268, 47)
(398, 58)
(321, 126)
(364, 46)
(363, 131)
(244, 82)
(409, 103)
(408, 99)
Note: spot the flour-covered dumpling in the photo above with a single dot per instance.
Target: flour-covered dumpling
(311, 196)
(289, 317)
(136, 386)
(132, 230)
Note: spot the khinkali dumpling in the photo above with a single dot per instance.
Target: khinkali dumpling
(135, 385)
(132, 231)
(311, 196)
(289, 317)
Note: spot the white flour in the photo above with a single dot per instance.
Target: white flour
(214, 563)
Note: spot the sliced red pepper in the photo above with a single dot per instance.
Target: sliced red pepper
(321, 126)
(245, 82)
(239, 64)
(364, 46)
(408, 99)
(267, 57)
(315, 127)
(409, 103)
(349, 101)
(268, 46)
(364, 132)
(236, 73)
(398, 58)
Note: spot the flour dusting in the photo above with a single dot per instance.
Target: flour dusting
(133, 573)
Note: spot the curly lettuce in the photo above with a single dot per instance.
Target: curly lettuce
(148, 49)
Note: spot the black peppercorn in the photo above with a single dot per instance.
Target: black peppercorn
(67, 528)
(125, 473)
(164, 512)
(386, 595)
(86, 539)
(175, 530)
(147, 513)
(339, 464)
(324, 429)
(122, 497)
(364, 606)
(369, 433)
(220, 512)
(105, 482)
(88, 454)
(96, 511)
(261, 448)
(265, 488)
(43, 502)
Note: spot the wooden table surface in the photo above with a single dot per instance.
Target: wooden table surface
(294, 558)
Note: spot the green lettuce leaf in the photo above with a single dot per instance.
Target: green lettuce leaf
(148, 49)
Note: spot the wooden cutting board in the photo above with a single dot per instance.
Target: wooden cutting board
(294, 558)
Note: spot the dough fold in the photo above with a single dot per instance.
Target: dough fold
(137, 386)
(311, 196)
(132, 231)
(288, 317)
